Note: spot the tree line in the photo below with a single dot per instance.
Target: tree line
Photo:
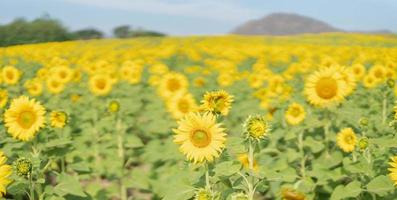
(46, 29)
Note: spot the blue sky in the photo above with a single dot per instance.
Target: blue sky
(186, 17)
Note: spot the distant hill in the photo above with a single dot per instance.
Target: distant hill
(289, 24)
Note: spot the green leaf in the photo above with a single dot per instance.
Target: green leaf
(380, 185)
(68, 184)
(227, 168)
(351, 190)
(133, 141)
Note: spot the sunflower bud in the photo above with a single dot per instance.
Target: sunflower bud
(256, 127)
(363, 122)
(58, 119)
(390, 83)
(203, 194)
(363, 143)
(23, 167)
(114, 106)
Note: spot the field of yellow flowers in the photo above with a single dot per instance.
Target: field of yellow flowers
(205, 118)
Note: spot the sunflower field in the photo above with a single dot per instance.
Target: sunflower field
(204, 118)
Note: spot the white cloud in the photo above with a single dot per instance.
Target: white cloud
(220, 10)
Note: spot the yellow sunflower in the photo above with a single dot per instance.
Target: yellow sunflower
(34, 87)
(58, 119)
(358, 71)
(172, 83)
(24, 118)
(5, 173)
(62, 73)
(200, 137)
(3, 98)
(295, 114)
(393, 169)
(54, 86)
(369, 81)
(100, 85)
(346, 139)
(218, 102)
(181, 104)
(10, 75)
(325, 87)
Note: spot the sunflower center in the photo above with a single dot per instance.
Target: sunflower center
(200, 138)
(295, 111)
(183, 106)
(26, 119)
(349, 139)
(173, 85)
(62, 74)
(257, 129)
(326, 88)
(10, 75)
(101, 84)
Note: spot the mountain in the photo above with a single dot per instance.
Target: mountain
(284, 24)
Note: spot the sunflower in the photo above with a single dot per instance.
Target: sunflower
(378, 72)
(10, 75)
(172, 83)
(369, 81)
(62, 73)
(54, 86)
(393, 169)
(58, 119)
(291, 194)
(203, 194)
(346, 139)
(325, 87)
(358, 71)
(34, 87)
(182, 104)
(295, 114)
(200, 137)
(5, 173)
(218, 102)
(24, 118)
(100, 84)
(256, 127)
(3, 98)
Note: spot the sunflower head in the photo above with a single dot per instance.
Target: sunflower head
(291, 194)
(24, 118)
(5, 173)
(58, 119)
(114, 106)
(393, 169)
(3, 98)
(10, 75)
(256, 127)
(203, 194)
(346, 139)
(200, 137)
(217, 102)
(100, 84)
(325, 87)
(23, 167)
(295, 114)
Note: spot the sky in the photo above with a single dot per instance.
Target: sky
(200, 17)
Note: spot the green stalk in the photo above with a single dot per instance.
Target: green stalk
(31, 187)
(303, 162)
(251, 189)
(120, 146)
(384, 108)
(207, 178)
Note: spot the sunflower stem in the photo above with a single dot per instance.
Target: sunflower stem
(303, 161)
(251, 189)
(120, 146)
(207, 178)
(31, 187)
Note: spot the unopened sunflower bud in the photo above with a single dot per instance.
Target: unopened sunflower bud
(363, 121)
(23, 167)
(363, 143)
(390, 83)
(203, 194)
(114, 106)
